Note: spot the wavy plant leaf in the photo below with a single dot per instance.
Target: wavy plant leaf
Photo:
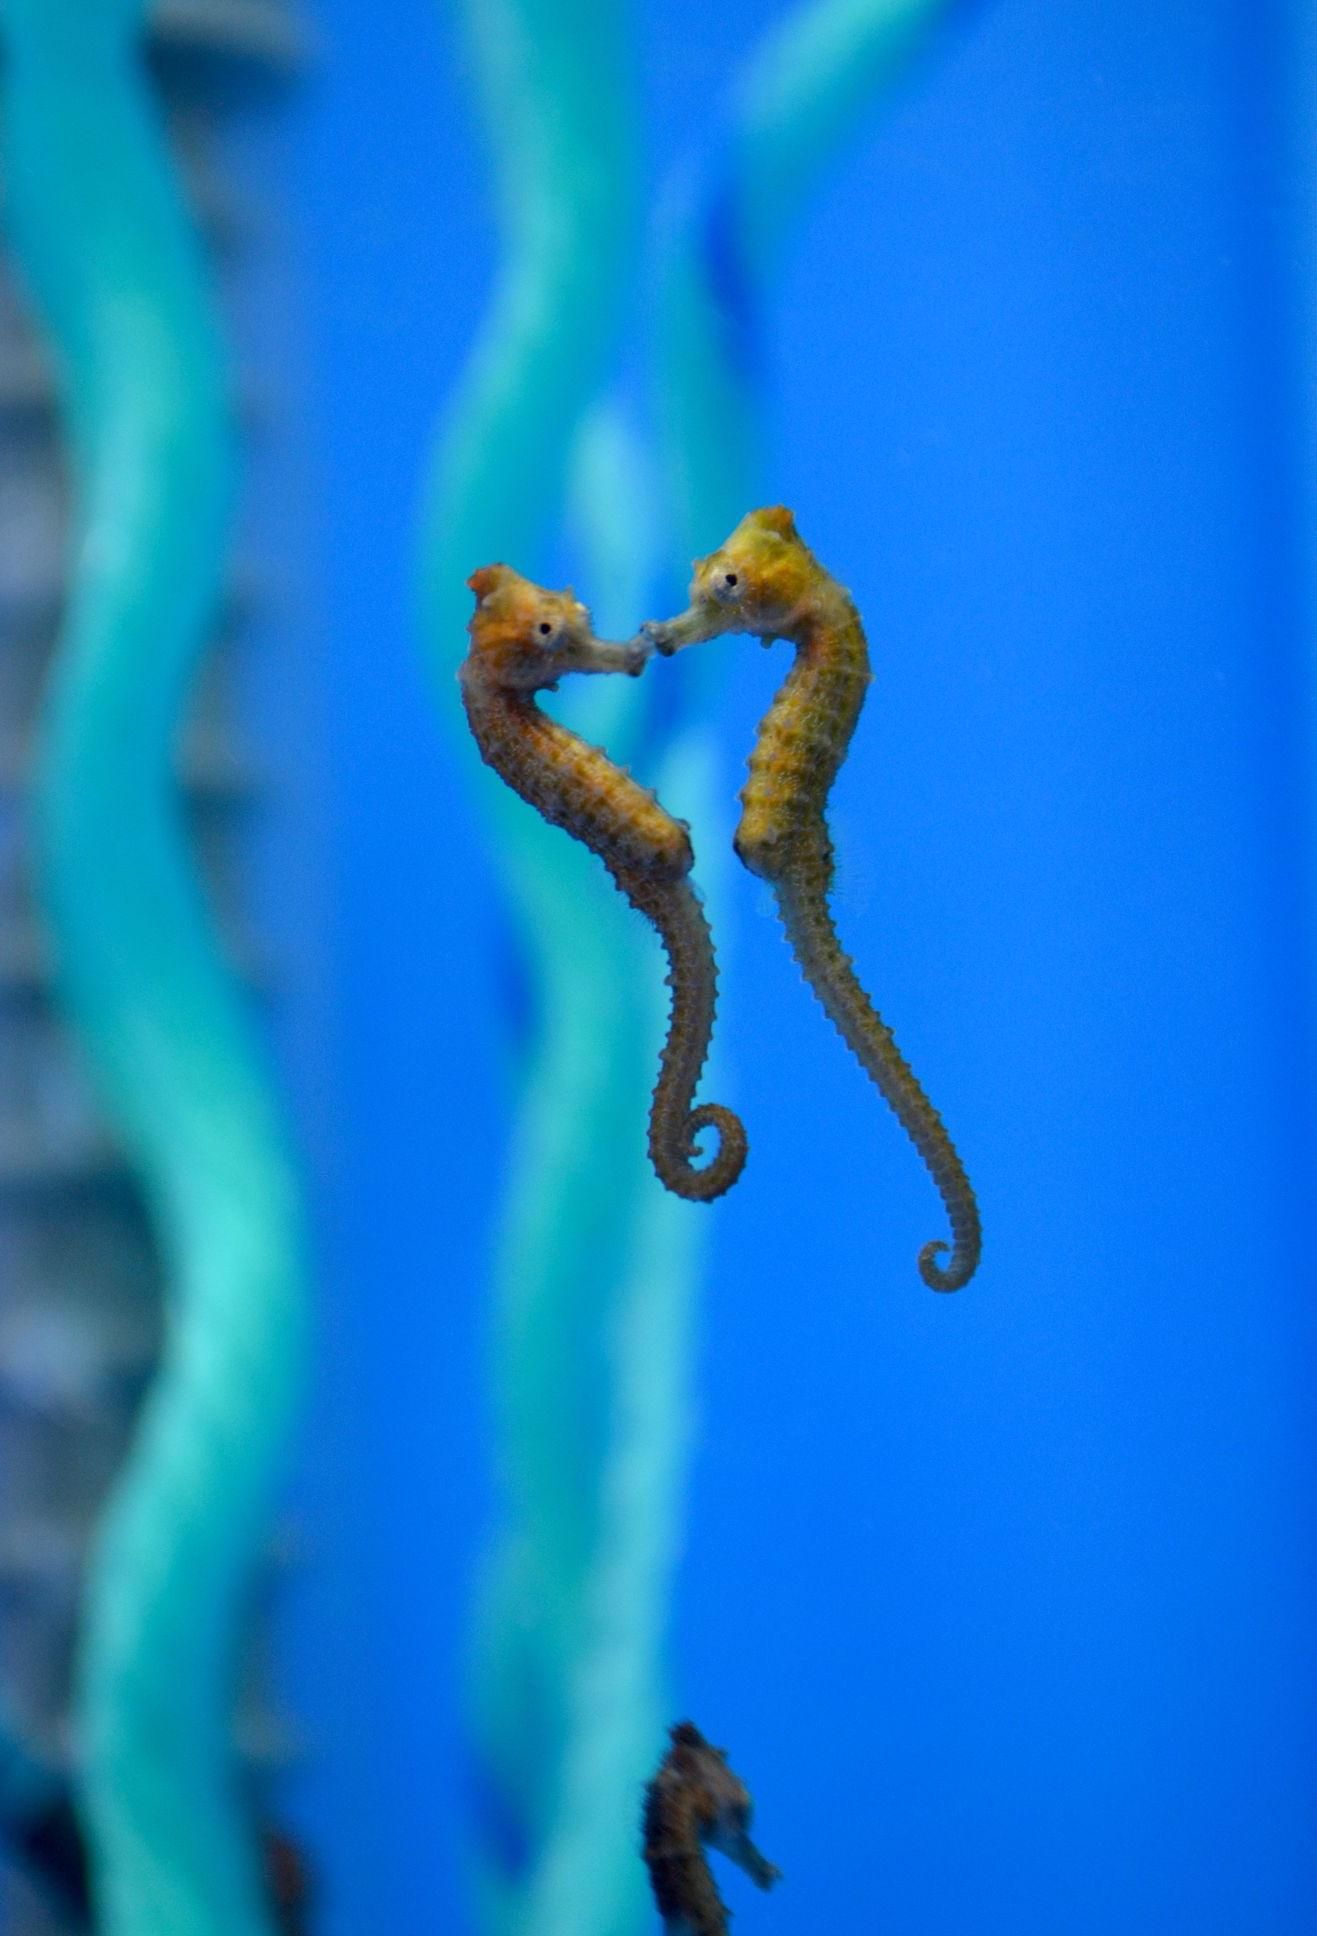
(108, 254)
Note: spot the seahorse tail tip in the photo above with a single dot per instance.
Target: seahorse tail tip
(733, 1144)
(678, 1173)
(949, 1277)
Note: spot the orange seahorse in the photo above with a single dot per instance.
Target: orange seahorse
(765, 581)
(523, 639)
(695, 1801)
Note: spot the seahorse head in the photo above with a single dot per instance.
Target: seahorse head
(697, 1798)
(760, 580)
(711, 1792)
(524, 638)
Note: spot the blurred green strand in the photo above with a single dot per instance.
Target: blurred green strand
(805, 90)
(808, 89)
(597, 1267)
(555, 92)
(108, 254)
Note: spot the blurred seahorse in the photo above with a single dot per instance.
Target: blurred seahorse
(523, 639)
(764, 580)
(801, 96)
(694, 1802)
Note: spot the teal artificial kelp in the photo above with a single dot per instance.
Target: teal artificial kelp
(804, 92)
(598, 1267)
(564, 1693)
(108, 254)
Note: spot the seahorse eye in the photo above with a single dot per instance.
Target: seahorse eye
(544, 629)
(731, 581)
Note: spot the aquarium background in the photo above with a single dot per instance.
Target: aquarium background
(1003, 1604)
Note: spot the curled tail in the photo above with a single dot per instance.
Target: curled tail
(674, 908)
(801, 887)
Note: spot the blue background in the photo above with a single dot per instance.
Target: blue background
(1003, 1603)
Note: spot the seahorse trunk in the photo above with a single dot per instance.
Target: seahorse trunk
(687, 1894)
(675, 910)
(801, 886)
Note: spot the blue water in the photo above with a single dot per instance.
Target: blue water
(1004, 1603)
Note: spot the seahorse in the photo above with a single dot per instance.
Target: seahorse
(695, 1801)
(523, 640)
(764, 580)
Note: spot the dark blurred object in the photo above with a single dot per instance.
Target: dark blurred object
(40, 1832)
(290, 1889)
(263, 32)
(696, 1801)
(48, 1842)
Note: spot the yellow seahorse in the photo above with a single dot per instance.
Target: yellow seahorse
(764, 580)
(523, 640)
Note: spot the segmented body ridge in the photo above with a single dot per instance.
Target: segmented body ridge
(803, 737)
(802, 891)
(677, 913)
(783, 837)
(577, 787)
